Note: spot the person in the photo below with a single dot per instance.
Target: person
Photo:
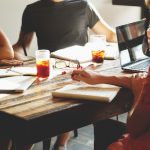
(59, 24)
(6, 51)
(7, 59)
(138, 123)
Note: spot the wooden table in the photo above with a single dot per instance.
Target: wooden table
(34, 115)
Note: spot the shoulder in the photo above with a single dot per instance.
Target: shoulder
(78, 2)
(34, 5)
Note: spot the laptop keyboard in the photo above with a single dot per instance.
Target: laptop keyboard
(141, 66)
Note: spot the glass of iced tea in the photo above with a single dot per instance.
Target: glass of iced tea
(98, 56)
(43, 63)
(98, 46)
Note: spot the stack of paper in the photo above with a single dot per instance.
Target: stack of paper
(99, 92)
(17, 71)
(15, 84)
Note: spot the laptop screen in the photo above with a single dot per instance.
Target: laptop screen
(130, 37)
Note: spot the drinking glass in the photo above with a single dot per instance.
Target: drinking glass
(43, 63)
(98, 46)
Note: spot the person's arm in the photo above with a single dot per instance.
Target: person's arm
(6, 50)
(131, 81)
(98, 25)
(101, 27)
(24, 41)
(91, 77)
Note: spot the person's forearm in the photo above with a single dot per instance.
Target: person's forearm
(23, 44)
(6, 53)
(6, 50)
(123, 81)
(18, 51)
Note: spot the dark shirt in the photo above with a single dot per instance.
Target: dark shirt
(59, 25)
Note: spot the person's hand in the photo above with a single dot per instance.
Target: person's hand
(86, 76)
(12, 62)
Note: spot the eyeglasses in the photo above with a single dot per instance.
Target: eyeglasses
(61, 64)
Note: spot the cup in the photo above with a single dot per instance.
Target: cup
(98, 46)
(43, 63)
(98, 56)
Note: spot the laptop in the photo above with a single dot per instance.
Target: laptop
(16, 84)
(130, 37)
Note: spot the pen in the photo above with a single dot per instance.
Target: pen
(11, 69)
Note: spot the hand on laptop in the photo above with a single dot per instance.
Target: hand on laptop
(12, 62)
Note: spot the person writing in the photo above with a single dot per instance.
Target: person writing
(138, 123)
(59, 24)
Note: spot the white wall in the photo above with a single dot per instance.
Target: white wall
(10, 18)
(116, 14)
(11, 12)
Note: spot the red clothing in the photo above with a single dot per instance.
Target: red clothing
(140, 143)
(141, 140)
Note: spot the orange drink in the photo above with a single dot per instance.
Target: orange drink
(43, 63)
(98, 56)
(43, 69)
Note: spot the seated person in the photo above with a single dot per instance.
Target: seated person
(6, 51)
(134, 82)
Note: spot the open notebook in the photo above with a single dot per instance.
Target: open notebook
(15, 84)
(99, 92)
(83, 53)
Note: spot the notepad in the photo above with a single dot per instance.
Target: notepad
(15, 84)
(17, 71)
(83, 53)
(98, 92)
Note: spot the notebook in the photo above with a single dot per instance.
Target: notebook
(82, 91)
(15, 84)
(130, 37)
(83, 53)
(18, 71)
